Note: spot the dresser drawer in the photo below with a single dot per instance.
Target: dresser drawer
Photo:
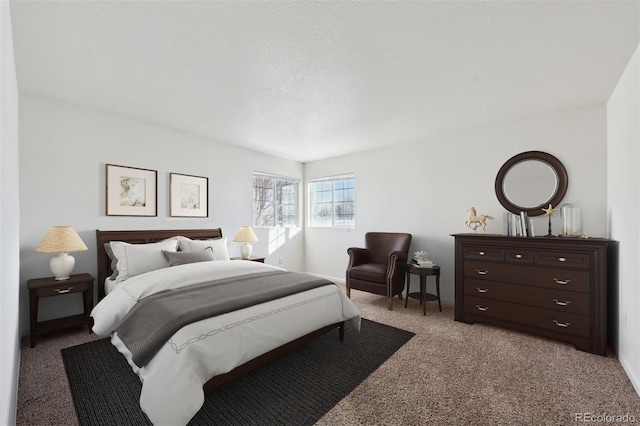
(548, 319)
(560, 279)
(563, 301)
(62, 288)
(564, 260)
(484, 253)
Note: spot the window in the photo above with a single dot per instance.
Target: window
(331, 201)
(275, 201)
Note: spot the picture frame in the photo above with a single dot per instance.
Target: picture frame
(189, 195)
(131, 191)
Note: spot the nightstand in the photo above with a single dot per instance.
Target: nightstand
(423, 296)
(48, 287)
(252, 258)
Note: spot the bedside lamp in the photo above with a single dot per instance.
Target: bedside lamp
(61, 240)
(245, 235)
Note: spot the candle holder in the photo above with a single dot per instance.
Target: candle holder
(571, 220)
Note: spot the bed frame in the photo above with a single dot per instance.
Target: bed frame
(151, 236)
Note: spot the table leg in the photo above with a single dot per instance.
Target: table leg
(438, 291)
(423, 293)
(33, 316)
(88, 303)
(406, 300)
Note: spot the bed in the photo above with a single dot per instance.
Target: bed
(205, 354)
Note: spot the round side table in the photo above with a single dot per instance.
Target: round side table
(423, 296)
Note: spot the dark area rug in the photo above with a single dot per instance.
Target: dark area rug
(295, 389)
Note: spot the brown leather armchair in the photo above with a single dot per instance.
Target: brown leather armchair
(380, 267)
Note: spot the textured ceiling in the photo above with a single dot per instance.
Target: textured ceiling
(310, 80)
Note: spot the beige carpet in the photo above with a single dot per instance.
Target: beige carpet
(448, 374)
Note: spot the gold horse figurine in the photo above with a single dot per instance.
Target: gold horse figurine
(477, 220)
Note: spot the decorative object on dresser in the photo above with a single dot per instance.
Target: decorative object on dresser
(245, 236)
(62, 240)
(477, 220)
(529, 181)
(571, 220)
(556, 288)
(549, 211)
(189, 195)
(379, 268)
(48, 287)
(520, 225)
(131, 191)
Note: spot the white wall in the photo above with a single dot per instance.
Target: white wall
(426, 187)
(623, 128)
(63, 152)
(9, 224)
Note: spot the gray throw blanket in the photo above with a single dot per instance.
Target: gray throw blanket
(153, 320)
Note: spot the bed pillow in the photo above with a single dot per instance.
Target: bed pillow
(114, 260)
(135, 259)
(218, 245)
(183, 257)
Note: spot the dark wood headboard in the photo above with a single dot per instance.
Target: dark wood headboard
(141, 237)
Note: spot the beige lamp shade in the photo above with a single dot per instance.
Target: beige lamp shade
(245, 235)
(61, 240)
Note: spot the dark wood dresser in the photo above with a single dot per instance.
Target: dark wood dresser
(554, 287)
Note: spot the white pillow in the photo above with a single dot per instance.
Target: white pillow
(219, 246)
(135, 259)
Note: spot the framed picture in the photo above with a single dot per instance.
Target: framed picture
(131, 191)
(189, 195)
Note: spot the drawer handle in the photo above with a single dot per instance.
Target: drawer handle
(562, 259)
(63, 290)
(482, 308)
(481, 253)
(482, 290)
(561, 303)
(562, 282)
(481, 272)
(562, 324)
(518, 256)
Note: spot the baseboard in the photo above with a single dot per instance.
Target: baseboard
(633, 378)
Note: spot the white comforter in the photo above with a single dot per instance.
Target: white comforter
(172, 381)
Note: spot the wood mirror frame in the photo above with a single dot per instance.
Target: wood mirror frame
(561, 176)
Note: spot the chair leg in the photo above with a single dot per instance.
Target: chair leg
(391, 303)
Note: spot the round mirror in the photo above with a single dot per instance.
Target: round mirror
(531, 181)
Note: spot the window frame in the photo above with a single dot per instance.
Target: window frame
(333, 203)
(278, 205)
